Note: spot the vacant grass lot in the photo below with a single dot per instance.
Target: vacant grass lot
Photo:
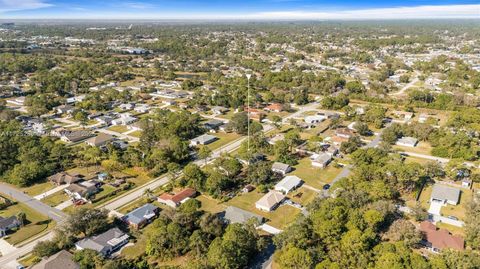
(35, 224)
(223, 139)
(209, 204)
(137, 133)
(315, 177)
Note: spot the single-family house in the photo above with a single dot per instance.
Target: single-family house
(213, 124)
(82, 190)
(422, 118)
(19, 101)
(126, 106)
(141, 108)
(106, 120)
(407, 141)
(281, 168)
(445, 194)
(75, 136)
(344, 133)
(100, 140)
(314, 119)
(275, 107)
(403, 115)
(141, 216)
(61, 260)
(436, 240)
(178, 198)
(288, 184)
(124, 119)
(65, 109)
(270, 201)
(204, 139)
(237, 215)
(7, 224)
(219, 110)
(278, 137)
(105, 243)
(321, 160)
(64, 178)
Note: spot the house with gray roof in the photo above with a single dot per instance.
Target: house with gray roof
(281, 168)
(445, 194)
(204, 139)
(237, 215)
(321, 160)
(141, 216)
(60, 260)
(407, 141)
(7, 224)
(105, 243)
(288, 183)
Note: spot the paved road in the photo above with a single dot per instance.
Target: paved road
(406, 87)
(310, 107)
(55, 214)
(50, 192)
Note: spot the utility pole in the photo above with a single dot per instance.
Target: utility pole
(248, 111)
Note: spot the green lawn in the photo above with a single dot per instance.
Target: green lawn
(56, 198)
(313, 176)
(223, 139)
(302, 196)
(421, 148)
(35, 224)
(209, 204)
(118, 128)
(137, 133)
(39, 188)
(458, 210)
(139, 175)
(279, 218)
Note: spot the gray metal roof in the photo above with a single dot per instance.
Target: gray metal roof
(443, 192)
(140, 214)
(238, 215)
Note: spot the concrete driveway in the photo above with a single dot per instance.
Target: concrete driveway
(5, 247)
(435, 208)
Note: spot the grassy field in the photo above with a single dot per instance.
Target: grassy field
(139, 175)
(56, 198)
(279, 218)
(35, 224)
(38, 188)
(137, 133)
(315, 177)
(118, 128)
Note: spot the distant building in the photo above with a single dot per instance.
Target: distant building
(275, 107)
(321, 160)
(64, 178)
(7, 224)
(407, 141)
(100, 140)
(75, 136)
(204, 139)
(281, 168)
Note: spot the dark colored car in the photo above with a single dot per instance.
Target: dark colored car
(326, 186)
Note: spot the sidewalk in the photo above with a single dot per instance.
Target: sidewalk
(5, 247)
(50, 192)
(64, 205)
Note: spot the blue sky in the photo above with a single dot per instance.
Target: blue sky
(238, 9)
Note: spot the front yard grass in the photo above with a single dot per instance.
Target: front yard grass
(210, 204)
(313, 176)
(458, 210)
(421, 148)
(118, 128)
(55, 199)
(38, 188)
(35, 223)
(302, 196)
(136, 133)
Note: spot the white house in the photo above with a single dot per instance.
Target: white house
(313, 119)
(321, 160)
(407, 141)
(445, 194)
(288, 183)
(124, 119)
(204, 139)
(270, 201)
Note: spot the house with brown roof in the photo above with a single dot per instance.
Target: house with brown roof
(82, 190)
(344, 133)
(437, 239)
(64, 178)
(178, 198)
(275, 107)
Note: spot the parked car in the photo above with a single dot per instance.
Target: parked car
(452, 217)
(326, 186)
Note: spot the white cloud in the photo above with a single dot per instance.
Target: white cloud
(13, 5)
(423, 12)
